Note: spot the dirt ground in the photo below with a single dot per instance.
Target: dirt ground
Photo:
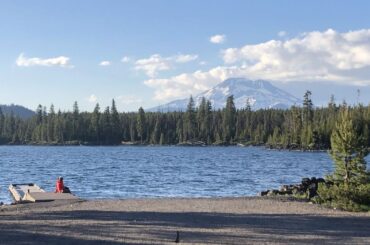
(251, 220)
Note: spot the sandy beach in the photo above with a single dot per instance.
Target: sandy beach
(251, 220)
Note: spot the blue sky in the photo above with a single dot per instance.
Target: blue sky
(144, 53)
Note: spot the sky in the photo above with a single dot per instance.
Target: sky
(146, 53)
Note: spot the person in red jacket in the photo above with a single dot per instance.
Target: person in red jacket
(59, 188)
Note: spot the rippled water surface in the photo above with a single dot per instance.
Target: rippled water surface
(136, 172)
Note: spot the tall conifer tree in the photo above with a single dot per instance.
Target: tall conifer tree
(348, 151)
(229, 120)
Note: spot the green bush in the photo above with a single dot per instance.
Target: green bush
(350, 198)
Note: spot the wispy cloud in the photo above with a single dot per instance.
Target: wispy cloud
(61, 61)
(92, 98)
(217, 39)
(313, 56)
(128, 99)
(105, 63)
(125, 59)
(282, 33)
(184, 58)
(156, 63)
(152, 65)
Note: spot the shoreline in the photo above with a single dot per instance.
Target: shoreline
(175, 145)
(241, 220)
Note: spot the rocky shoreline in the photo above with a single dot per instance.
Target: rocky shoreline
(306, 190)
(185, 143)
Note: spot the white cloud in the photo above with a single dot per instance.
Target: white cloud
(282, 33)
(152, 65)
(92, 98)
(156, 63)
(61, 61)
(327, 55)
(184, 58)
(125, 59)
(312, 56)
(105, 63)
(217, 39)
(128, 99)
(187, 83)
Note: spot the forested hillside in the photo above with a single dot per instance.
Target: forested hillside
(17, 110)
(300, 127)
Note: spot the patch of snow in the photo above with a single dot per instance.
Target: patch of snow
(260, 94)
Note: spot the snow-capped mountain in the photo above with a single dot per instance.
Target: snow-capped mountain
(260, 95)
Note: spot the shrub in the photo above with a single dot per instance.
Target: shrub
(350, 198)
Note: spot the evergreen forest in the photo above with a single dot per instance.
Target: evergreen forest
(301, 127)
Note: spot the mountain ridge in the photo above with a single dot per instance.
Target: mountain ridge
(260, 94)
(18, 110)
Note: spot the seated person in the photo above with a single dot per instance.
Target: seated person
(59, 188)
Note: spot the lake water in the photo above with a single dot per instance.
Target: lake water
(137, 172)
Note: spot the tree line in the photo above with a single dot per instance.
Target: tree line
(300, 127)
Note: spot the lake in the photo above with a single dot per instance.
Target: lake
(138, 172)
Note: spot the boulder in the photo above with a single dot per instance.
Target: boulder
(306, 182)
(308, 187)
(264, 193)
(312, 190)
(272, 192)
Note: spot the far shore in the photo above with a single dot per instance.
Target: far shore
(244, 220)
(138, 144)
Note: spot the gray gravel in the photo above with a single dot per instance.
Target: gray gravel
(251, 220)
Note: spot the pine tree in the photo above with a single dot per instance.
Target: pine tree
(115, 124)
(9, 126)
(349, 186)
(141, 124)
(39, 114)
(50, 124)
(248, 106)
(58, 128)
(156, 132)
(208, 121)
(307, 108)
(229, 120)
(332, 106)
(75, 121)
(95, 124)
(202, 120)
(180, 130)
(190, 121)
(348, 152)
(2, 119)
(106, 126)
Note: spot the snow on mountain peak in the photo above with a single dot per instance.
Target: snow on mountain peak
(259, 93)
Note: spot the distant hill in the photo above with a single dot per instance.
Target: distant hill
(19, 111)
(260, 94)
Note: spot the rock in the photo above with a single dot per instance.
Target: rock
(284, 188)
(306, 182)
(272, 192)
(264, 193)
(308, 187)
(287, 192)
(312, 190)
